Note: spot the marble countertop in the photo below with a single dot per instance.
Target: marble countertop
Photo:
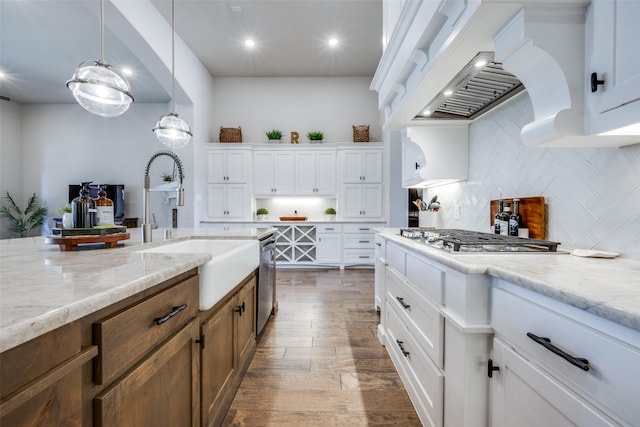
(42, 288)
(609, 288)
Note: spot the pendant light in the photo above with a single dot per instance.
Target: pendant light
(171, 130)
(99, 88)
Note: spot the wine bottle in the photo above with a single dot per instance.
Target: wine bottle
(498, 218)
(504, 219)
(515, 219)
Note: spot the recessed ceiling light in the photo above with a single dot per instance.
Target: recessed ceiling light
(2, 75)
(480, 63)
(249, 43)
(127, 71)
(333, 42)
(448, 92)
(426, 112)
(236, 8)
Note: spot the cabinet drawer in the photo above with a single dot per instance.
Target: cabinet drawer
(420, 315)
(381, 246)
(611, 383)
(359, 256)
(357, 228)
(125, 337)
(425, 277)
(363, 241)
(422, 379)
(395, 258)
(334, 228)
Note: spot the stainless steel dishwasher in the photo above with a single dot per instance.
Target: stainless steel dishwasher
(266, 281)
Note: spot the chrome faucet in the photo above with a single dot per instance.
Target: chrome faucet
(147, 226)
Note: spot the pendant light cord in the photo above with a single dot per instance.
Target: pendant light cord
(101, 31)
(173, 56)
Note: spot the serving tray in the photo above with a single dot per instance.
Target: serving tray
(64, 232)
(293, 218)
(69, 242)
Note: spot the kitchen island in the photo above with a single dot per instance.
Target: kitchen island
(552, 332)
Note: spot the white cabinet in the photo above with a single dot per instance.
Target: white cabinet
(315, 172)
(329, 244)
(295, 244)
(228, 166)
(228, 201)
(273, 172)
(614, 57)
(358, 244)
(379, 280)
(360, 166)
(361, 201)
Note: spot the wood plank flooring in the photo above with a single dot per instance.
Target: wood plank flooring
(319, 361)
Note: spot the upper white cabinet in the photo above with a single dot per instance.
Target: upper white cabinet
(228, 201)
(315, 173)
(273, 172)
(226, 166)
(615, 61)
(361, 166)
(361, 201)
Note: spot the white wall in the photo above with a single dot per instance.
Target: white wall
(592, 195)
(11, 158)
(328, 104)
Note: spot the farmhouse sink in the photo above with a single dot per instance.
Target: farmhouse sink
(232, 261)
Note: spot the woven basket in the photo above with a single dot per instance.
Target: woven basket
(361, 133)
(231, 134)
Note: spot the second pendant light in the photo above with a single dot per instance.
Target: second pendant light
(171, 130)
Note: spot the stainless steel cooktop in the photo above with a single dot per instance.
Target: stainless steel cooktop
(454, 240)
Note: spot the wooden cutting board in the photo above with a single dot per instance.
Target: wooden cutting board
(532, 211)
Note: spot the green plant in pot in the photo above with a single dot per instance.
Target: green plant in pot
(274, 135)
(167, 177)
(315, 136)
(65, 211)
(23, 221)
(330, 213)
(262, 214)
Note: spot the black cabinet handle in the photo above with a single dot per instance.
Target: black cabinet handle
(363, 241)
(417, 166)
(240, 309)
(174, 311)
(546, 343)
(379, 244)
(595, 82)
(402, 303)
(491, 368)
(401, 345)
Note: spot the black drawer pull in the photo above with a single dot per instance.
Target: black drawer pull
(402, 303)
(400, 344)
(379, 244)
(174, 311)
(363, 241)
(364, 256)
(546, 343)
(240, 309)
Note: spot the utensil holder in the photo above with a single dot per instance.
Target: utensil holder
(428, 219)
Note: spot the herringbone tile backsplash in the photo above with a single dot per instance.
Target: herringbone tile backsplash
(592, 194)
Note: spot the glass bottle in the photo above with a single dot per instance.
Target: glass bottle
(515, 219)
(83, 209)
(498, 218)
(104, 208)
(504, 219)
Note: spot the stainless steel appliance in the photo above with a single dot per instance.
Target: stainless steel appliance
(464, 241)
(266, 281)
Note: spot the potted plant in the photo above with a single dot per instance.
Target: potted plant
(167, 177)
(274, 135)
(23, 221)
(66, 216)
(330, 213)
(261, 214)
(315, 136)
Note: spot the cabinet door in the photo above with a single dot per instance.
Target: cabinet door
(325, 173)
(216, 167)
(236, 166)
(329, 249)
(372, 200)
(352, 201)
(216, 201)
(237, 201)
(305, 166)
(525, 396)
(372, 166)
(162, 390)
(283, 172)
(352, 167)
(246, 304)
(263, 173)
(218, 360)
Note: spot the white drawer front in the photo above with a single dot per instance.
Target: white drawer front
(381, 246)
(357, 228)
(395, 258)
(613, 381)
(359, 256)
(364, 241)
(420, 315)
(423, 380)
(333, 228)
(425, 277)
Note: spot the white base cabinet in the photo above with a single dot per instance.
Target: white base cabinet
(329, 244)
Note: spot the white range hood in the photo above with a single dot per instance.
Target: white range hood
(541, 42)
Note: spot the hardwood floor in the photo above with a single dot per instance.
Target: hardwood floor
(319, 362)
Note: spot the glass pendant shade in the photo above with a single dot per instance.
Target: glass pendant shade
(100, 89)
(172, 131)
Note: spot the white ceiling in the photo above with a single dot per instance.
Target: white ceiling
(42, 41)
